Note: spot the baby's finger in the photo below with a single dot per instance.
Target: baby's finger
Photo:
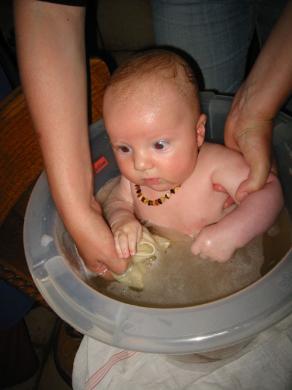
(139, 234)
(118, 246)
(195, 249)
(201, 254)
(132, 240)
(124, 245)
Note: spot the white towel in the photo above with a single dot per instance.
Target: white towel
(264, 364)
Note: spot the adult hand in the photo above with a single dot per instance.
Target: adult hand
(250, 121)
(251, 134)
(95, 243)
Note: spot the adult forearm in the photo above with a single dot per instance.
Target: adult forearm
(270, 80)
(249, 124)
(51, 54)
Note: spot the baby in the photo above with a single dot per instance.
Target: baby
(153, 118)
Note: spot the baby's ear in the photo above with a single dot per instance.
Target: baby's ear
(201, 129)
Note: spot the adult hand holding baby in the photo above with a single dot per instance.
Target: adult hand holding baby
(95, 242)
(250, 121)
(251, 134)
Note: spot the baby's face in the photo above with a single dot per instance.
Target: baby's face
(153, 133)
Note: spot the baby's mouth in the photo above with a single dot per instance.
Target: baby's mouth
(151, 181)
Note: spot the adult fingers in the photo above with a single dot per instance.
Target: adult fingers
(256, 149)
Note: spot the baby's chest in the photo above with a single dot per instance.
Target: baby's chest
(187, 212)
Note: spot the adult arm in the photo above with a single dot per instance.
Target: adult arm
(51, 55)
(250, 121)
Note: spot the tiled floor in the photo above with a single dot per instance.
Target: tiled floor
(43, 327)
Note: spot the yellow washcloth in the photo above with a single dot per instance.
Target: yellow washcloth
(149, 250)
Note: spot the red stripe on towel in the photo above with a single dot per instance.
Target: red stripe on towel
(98, 376)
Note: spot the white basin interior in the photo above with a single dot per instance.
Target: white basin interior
(223, 323)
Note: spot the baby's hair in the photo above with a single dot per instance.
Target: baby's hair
(157, 64)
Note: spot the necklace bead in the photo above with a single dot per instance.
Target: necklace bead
(154, 202)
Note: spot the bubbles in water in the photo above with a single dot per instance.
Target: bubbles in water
(180, 278)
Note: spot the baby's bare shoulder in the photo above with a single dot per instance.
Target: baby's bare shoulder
(221, 164)
(216, 153)
(225, 166)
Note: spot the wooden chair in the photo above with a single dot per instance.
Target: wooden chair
(20, 165)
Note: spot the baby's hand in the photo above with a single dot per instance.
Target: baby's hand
(126, 236)
(213, 243)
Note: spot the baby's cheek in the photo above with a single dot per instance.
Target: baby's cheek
(128, 171)
(180, 170)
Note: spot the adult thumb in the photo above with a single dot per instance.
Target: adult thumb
(260, 166)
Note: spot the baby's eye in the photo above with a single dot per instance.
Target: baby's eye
(159, 145)
(123, 148)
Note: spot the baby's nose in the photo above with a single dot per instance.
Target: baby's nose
(142, 161)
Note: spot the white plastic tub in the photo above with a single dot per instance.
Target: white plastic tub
(221, 324)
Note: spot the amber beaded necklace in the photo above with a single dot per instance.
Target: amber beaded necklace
(154, 202)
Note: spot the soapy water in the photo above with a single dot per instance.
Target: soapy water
(180, 278)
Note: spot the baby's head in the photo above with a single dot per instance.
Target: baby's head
(152, 114)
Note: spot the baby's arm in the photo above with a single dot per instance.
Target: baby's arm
(253, 216)
(119, 212)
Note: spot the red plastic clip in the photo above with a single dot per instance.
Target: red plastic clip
(100, 164)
